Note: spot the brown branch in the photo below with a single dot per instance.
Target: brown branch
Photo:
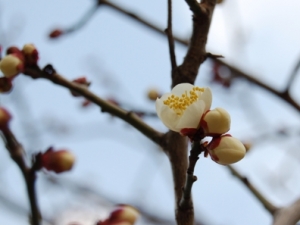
(196, 54)
(289, 215)
(169, 33)
(129, 117)
(17, 154)
(194, 6)
(268, 205)
(186, 199)
(186, 73)
(239, 73)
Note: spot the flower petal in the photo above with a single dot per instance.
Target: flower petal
(166, 115)
(206, 96)
(191, 116)
(180, 89)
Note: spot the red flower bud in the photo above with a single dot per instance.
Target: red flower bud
(124, 214)
(56, 33)
(57, 161)
(31, 54)
(13, 49)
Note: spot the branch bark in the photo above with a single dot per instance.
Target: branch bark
(130, 117)
(17, 154)
(186, 73)
(289, 215)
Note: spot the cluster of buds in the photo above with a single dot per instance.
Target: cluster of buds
(57, 161)
(15, 62)
(122, 215)
(187, 110)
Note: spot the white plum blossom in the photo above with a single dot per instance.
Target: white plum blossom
(184, 106)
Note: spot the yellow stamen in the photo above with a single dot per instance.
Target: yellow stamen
(180, 104)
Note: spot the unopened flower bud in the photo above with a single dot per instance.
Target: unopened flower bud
(226, 150)
(31, 54)
(56, 33)
(123, 215)
(13, 49)
(57, 161)
(5, 117)
(216, 122)
(153, 94)
(11, 65)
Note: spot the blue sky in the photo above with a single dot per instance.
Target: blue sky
(123, 60)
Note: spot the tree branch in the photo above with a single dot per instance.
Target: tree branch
(169, 33)
(289, 215)
(268, 205)
(194, 6)
(186, 199)
(17, 154)
(129, 117)
(293, 76)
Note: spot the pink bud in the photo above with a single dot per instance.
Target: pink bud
(13, 49)
(123, 215)
(56, 33)
(57, 161)
(31, 54)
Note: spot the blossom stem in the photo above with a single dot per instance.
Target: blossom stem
(186, 199)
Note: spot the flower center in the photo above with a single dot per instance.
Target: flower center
(180, 104)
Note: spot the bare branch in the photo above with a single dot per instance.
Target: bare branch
(268, 205)
(129, 117)
(194, 6)
(169, 33)
(17, 154)
(293, 76)
(289, 215)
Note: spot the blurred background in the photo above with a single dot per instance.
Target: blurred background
(124, 60)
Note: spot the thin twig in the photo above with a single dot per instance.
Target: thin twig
(293, 76)
(268, 205)
(129, 117)
(17, 154)
(186, 199)
(170, 36)
(240, 74)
